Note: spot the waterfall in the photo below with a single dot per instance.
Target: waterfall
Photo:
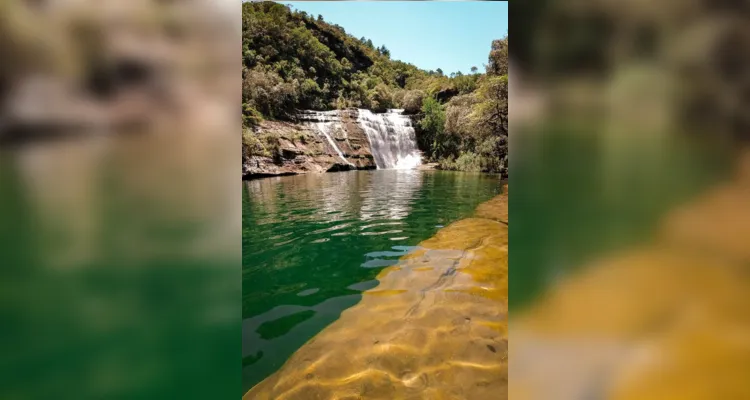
(325, 123)
(325, 129)
(392, 139)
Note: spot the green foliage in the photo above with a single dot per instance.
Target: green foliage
(381, 98)
(295, 61)
(498, 58)
(264, 145)
(474, 136)
(412, 101)
(300, 137)
(491, 113)
(251, 145)
(250, 116)
(432, 127)
(465, 83)
(467, 161)
(268, 93)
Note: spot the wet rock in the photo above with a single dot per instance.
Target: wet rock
(301, 149)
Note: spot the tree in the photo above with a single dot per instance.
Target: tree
(412, 101)
(370, 44)
(384, 51)
(498, 57)
(433, 125)
(474, 69)
(381, 98)
(439, 71)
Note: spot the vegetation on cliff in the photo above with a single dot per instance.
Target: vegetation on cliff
(292, 60)
(470, 131)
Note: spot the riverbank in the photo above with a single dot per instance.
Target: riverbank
(275, 148)
(328, 141)
(436, 324)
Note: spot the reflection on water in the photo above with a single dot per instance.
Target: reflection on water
(434, 327)
(388, 196)
(312, 243)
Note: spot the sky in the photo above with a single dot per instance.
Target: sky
(450, 35)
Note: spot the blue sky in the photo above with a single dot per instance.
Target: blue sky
(451, 35)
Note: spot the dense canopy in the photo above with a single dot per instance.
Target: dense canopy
(292, 60)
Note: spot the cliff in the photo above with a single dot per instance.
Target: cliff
(288, 148)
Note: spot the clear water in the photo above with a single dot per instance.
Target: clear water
(312, 243)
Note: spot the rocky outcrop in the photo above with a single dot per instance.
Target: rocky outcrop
(288, 148)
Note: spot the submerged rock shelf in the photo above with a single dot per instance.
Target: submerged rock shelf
(434, 327)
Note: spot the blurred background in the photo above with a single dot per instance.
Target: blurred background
(120, 203)
(630, 167)
(120, 207)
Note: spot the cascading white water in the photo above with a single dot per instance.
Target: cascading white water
(325, 128)
(392, 139)
(327, 121)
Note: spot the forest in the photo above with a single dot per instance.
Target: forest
(293, 61)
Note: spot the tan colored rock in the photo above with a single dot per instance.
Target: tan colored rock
(434, 328)
(303, 150)
(670, 320)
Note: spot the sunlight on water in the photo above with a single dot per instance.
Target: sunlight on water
(313, 243)
(435, 326)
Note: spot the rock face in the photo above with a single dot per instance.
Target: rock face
(290, 148)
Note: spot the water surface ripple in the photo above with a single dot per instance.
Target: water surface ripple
(312, 243)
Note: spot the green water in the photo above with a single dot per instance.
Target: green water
(312, 243)
(577, 197)
(109, 287)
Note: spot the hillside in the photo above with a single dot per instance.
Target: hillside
(294, 61)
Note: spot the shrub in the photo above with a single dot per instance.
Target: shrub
(468, 161)
(269, 94)
(412, 102)
(458, 113)
(271, 145)
(381, 98)
(300, 137)
(252, 144)
(398, 98)
(432, 126)
(250, 116)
